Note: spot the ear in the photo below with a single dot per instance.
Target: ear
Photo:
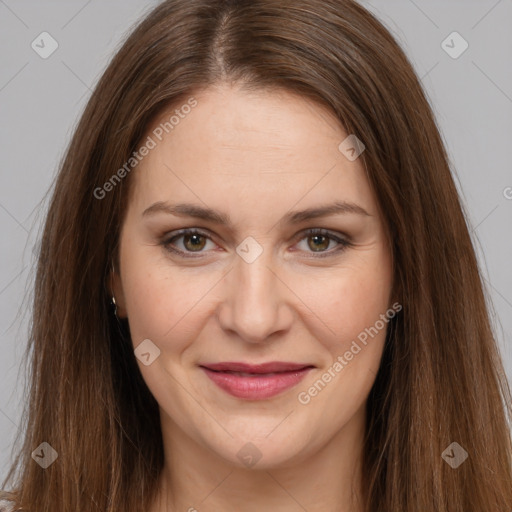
(116, 289)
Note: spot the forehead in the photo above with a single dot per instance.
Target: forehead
(256, 150)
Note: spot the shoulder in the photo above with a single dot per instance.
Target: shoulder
(5, 506)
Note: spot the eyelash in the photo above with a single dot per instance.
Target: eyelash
(343, 243)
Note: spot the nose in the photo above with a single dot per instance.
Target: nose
(256, 301)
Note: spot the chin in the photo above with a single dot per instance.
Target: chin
(263, 452)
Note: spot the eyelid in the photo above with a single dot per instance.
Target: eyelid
(169, 237)
(341, 239)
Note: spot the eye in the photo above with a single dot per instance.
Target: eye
(194, 241)
(319, 240)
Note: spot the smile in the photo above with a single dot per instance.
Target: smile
(256, 382)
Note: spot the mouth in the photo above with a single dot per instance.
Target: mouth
(256, 382)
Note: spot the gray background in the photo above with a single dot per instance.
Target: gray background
(41, 100)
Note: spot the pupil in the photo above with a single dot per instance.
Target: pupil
(195, 238)
(317, 237)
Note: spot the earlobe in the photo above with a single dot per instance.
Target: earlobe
(116, 293)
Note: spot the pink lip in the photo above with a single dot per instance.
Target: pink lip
(255, 382)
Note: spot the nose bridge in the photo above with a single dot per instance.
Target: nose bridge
(254, 306)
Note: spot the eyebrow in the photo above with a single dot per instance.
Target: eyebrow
(294, 217)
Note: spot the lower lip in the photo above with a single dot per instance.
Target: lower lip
(257, 387)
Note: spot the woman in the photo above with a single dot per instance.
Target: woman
(203, 341)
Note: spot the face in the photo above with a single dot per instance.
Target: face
(253, 281)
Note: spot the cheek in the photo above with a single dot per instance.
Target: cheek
(157, 307)
(156, 297)
(348, 300)
(352, 307)
(354, 304)
(166, 304)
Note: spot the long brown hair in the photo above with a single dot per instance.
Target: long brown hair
(441, 379)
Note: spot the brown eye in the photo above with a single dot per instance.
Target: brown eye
(194, 242)
(319, 242)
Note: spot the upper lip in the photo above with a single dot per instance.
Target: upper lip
(271, 367)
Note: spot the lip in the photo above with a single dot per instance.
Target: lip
(256, 382)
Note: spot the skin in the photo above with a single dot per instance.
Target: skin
(255, 156)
